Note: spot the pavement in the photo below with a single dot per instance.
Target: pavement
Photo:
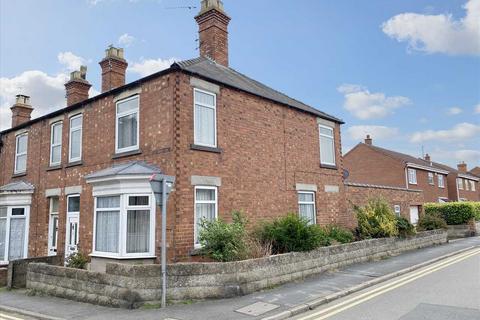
(276, 303)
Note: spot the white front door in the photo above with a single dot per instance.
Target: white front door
(72, 228)
(53, 227)
(413, 215)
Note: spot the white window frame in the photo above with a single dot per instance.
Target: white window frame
(214, 107)
(332, 137)
(4, 259)
(460, 183)
(122, 235)
(472, 184)
(467, 185)
(308, 203)
(52, 145)
(412, 176)
(17, 154)
(72, 130)
(195, 227)
(123, 114)
(431, 178)
(441, 181)
(398, 210)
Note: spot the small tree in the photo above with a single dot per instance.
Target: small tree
(376, 220)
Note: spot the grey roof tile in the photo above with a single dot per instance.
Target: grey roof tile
(207, 68)
(130, 168)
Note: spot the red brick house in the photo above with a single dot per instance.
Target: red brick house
(370, 164)
(77, 178)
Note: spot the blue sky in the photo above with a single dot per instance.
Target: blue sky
(407, 72)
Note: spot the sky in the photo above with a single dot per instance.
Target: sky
(407, 72)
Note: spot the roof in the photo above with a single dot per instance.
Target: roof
(204, 68)
(209, 69)
(130, 168)
(17, 186)
(376, 186)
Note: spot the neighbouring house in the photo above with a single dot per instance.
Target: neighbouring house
(78, 178)
(475, 171)
(370, 164)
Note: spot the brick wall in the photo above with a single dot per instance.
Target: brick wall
(431, 192)
(358, 195)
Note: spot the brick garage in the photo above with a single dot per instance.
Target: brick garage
(358, 195)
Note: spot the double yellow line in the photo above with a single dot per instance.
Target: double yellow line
(349, 303)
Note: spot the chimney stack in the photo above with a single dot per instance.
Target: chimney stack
(21, 110)
(462, 167)
(368, 140)
(427, 157)
(77, 87)
(114, 67)
(213, 31)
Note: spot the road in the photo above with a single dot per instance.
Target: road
(447, 290)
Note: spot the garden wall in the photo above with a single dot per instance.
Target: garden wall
(129, 286)
(464, 230)
(17, 269)
(358, 194)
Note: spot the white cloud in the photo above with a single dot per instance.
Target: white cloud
(366, 105)
(149, 66)
(469, 156)
(126, 39)
(438, 33)
(477, 108)
(376, 132)
(454, 111)
(461, 131)
(71, 61)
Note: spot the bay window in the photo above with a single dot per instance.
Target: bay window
(205, 118)
(56, 143)
(21, 146)
(306, 206)
(124, 225)
(75, 145)
(327, 145)
(127, 125)
(206, 208)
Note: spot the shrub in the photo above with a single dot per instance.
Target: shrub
(292, 233)
(77, 260)
(477, 210)
(376, 220)
(453, 212)
(431, 222)
(405, 228)
(339, 234)
(223, 241)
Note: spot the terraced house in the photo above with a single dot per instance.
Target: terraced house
(367, 163)
(77, 178)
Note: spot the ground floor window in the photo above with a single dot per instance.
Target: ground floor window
(53, 227)
(13, 233)
(306, 206)
(206, 208)
(124, 225)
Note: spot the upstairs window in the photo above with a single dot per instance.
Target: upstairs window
(127, 128)
(56, 144)
(467, 185)
(327, 145)
(75, 152)
(21, 146)
(412, 176)
(430, 178)
(205, 119)
(306, 206)
(472, 185)
(441, 182)
(460, 183)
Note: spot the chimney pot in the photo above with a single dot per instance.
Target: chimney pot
(462, 167)
(213, 31)
(21, 110)
(114, 67)
(77, 87)
(368, 140)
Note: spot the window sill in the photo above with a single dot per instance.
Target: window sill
(97, 255)
(20, 174)
(52, 168)
(127, 154)
(328, 166)
(206, 149)
(74, 164)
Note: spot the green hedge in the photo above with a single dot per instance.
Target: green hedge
(454, 212)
